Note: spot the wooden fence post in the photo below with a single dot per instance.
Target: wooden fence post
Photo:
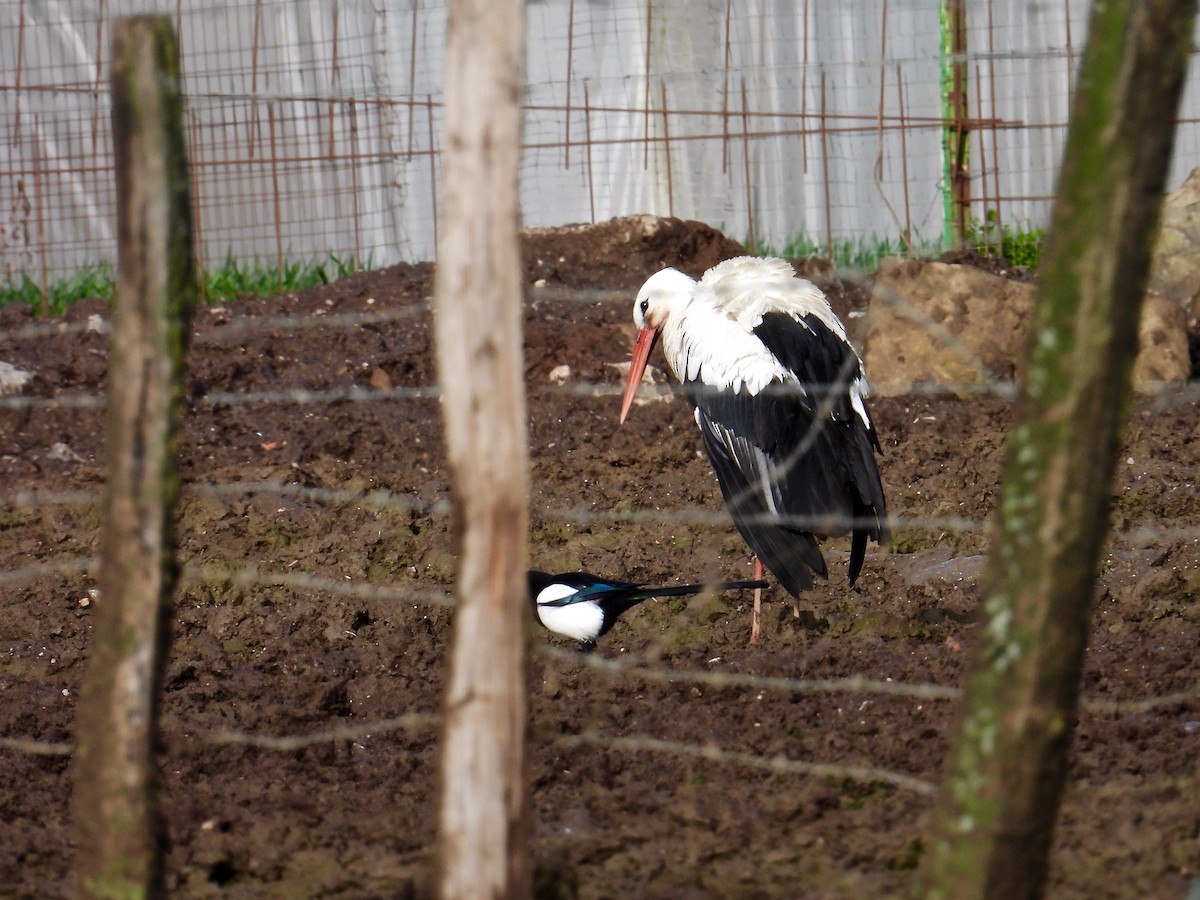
(1007, 769)
(480, 371)
(116, 821)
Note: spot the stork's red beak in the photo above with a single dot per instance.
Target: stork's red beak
(637, 366)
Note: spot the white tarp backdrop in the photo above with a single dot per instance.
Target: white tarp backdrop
(314, 127)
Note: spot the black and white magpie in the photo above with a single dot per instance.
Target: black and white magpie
(583, 606)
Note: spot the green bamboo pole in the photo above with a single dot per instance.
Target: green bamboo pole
(995, 819)
(955, 141)
(116, 819)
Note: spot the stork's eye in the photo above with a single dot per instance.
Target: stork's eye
(645, 306)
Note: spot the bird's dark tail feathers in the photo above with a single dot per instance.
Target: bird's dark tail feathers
(680, 590)
(858, 545)
(621, 600)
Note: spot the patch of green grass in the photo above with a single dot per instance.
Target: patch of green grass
(221, 284)
(261, 279)
(91, 281)
(861, 253)
(1024, 248)
(1020, 246)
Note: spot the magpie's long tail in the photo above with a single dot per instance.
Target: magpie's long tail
(643, 592)
(622, 599)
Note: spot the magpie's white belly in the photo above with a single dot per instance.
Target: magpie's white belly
(581, 621)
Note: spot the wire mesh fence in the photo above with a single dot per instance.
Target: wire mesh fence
(314, 128)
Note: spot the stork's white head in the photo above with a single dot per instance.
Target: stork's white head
(665, 292)
(664, 296)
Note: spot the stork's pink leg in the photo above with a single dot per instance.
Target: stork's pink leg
(755, 631)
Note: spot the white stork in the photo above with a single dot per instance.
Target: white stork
(778, 393)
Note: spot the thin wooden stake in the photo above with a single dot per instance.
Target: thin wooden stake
(39, 213)
(725, 88)
(984, 230)
(646, 98)
(433, 157)
(667, 150)
(1070, 49)
(570, 61)
(98, 81)
(804, 129)
(587, 136)
(18, 77)
(193, 129)
(412, 81)
(352, 114)
(116, 815)
(334, 81)
(904, 160)
(999, 220)
(825, 167)
(751, 241)
(253, 132)
(478, 329)
(276, 205)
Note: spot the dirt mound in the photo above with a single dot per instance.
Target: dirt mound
(622, 253)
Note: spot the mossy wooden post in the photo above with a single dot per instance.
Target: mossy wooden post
(995, 818)
(479, 350)
(115, 808)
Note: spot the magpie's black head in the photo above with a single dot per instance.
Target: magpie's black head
(538, 582)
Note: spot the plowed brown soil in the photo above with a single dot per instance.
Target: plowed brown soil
(625, 801)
